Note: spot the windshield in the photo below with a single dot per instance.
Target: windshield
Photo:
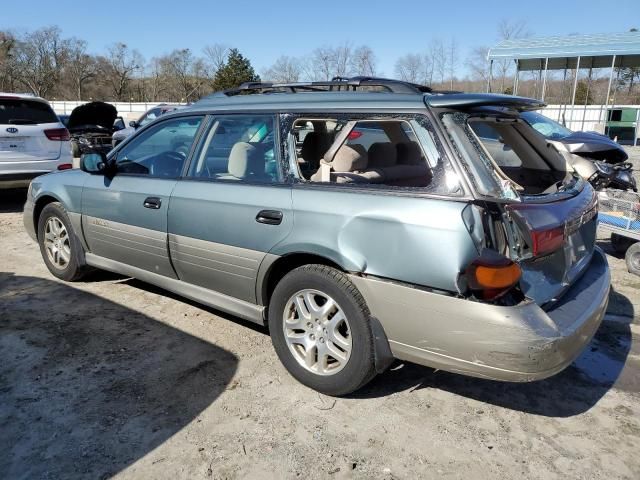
(545, 126)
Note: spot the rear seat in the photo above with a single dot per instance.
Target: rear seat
(353, 164)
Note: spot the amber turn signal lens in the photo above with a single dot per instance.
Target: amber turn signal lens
(491, 275)
(497, 276)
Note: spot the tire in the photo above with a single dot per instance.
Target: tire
(60, 248)
(620, 244)
(341, 344)
(632, 258)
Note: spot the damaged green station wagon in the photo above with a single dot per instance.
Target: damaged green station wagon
(361, 219)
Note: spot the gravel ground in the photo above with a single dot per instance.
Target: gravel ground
(112, 377)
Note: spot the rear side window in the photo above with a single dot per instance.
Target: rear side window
(25, 112)
(384, 151)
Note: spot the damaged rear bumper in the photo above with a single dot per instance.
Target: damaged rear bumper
(519, 344)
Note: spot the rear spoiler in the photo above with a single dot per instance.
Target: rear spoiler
(464, 101)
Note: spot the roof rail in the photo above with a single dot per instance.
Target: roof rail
(336, 84)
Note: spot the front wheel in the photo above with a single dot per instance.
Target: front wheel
(60, 248)
(319, 326)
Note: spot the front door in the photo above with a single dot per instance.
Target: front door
(125, 218)
(232, 208)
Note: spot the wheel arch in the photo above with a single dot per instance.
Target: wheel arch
(274, 268)
(40, 203)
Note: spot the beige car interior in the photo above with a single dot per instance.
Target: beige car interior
(382, 154)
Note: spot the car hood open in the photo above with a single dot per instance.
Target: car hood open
(92, 114)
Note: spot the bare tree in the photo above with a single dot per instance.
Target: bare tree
(7, 61)
(440, 58)
(363, 61)
(216, 56)
(478, 65)
(119, 66)
(342, 60)
(509, 30)
(185, 72)
(285, 69)
(39, 57)
(80, 67)
(410, 68)
(453, 60)
(320, 66)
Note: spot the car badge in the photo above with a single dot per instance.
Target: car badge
(12, 130)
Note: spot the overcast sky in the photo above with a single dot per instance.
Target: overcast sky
(265, 30)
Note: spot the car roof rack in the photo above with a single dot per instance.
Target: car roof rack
(336, 84)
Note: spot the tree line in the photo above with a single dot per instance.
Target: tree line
(47, 64)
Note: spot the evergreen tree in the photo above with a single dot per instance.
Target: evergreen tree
(235, 71)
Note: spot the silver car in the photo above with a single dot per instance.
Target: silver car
(417, 246)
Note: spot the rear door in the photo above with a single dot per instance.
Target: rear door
(232, 208)
(23, 123)
(125, 218)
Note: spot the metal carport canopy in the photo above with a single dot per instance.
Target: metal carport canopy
(594, 51)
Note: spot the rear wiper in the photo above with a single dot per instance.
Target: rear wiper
(21, 121)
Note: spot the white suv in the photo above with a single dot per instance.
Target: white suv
(33, 141)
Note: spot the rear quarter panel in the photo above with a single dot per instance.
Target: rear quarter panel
(412, 239)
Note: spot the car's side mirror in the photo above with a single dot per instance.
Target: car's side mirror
(95, 163)
(133, 124)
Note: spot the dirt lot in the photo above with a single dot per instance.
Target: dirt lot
(113, 377)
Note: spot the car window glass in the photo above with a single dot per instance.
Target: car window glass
(161, 150)
(501, 151)
(238, 147)
(149, 116)
(384, 153)
(25, 112)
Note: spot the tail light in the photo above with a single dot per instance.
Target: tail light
(57, 134)
(354, 135)
(492, 275)
(546, 241)
(65, 166)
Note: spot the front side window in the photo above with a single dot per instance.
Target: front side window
(238, 148)
(386, 151)
(161, 150)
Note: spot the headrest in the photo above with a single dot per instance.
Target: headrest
(350, 158)
(382, 155)
(409, 153)
(309, 148)
(245, 159)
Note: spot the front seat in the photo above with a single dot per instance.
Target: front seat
(247, 162)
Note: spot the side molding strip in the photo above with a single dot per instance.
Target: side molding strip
(234, 306)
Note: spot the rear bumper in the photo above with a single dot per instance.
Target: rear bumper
(518, 344)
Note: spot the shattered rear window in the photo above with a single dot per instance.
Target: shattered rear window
(478, 165)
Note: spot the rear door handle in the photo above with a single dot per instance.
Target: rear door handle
(152, 202)
(269, 217)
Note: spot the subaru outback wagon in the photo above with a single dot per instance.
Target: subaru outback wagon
(387, 231)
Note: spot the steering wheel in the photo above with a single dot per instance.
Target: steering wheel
(168, 164)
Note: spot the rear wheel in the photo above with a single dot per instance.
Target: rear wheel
(632, 258)
(319, 325)
(59, 246)
(620, 244)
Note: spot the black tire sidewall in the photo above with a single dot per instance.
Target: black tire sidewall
(360, 367)
(632, 251)
(72, 270)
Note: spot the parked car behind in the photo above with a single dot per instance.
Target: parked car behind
(591, 145)
(417, 246)
(147, 117)
(91, 126)
(32, 140)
